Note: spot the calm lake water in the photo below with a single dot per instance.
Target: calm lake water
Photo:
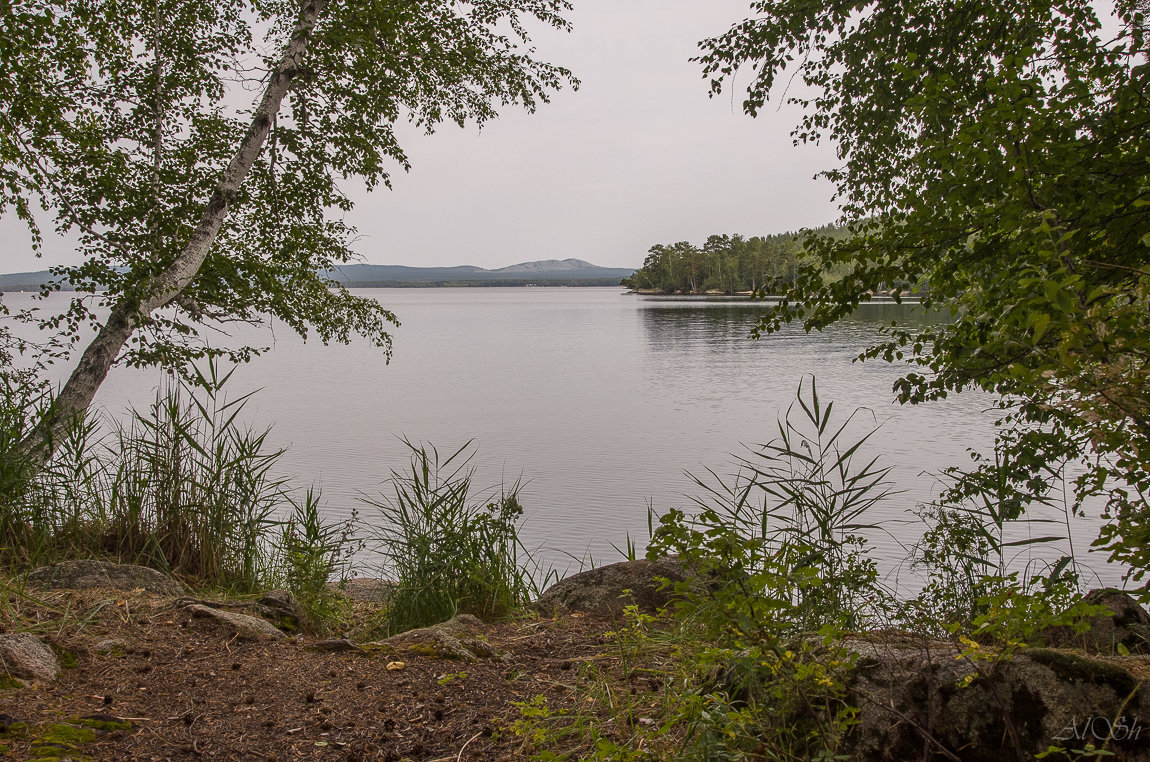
(599, 401)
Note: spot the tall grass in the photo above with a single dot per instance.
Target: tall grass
(448, 551)
(194, 489)
(181, 486)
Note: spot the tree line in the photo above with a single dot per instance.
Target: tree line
(732, 264)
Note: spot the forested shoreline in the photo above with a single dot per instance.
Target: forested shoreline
(732, 264)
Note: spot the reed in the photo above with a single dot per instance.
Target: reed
(182, 486)
(448, 551)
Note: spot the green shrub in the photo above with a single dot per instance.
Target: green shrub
(782, 552)
(313, 553)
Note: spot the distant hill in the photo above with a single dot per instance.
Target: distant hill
(544, 273)
(24, 281)
(550, 272)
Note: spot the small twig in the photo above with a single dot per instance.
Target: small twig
(459, 756)
(1109, 266)
(925, 734)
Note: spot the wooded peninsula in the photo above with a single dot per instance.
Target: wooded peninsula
(727, 264)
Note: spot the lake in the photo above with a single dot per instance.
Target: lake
(598, 400)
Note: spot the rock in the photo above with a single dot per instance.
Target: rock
(460, 638)
(245, 626)
(282, 608)
(83, 575)
(24, 657)
(911, 697)
(1128, 625)
(604, 591)
(277, 606)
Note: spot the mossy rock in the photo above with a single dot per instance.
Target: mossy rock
(380, 648)
(1069, 665)
(60, 740)
(66, 658)
(113, 647)
(102, 723)
(991, 711)
(14, 730)
(88, 574)
(56, 754)
(458, 639)
(63, 740)
(9, 683)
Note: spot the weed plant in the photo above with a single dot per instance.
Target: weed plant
(785, 534)
(622, 705)
(195, 490)
(447, 551)
(782, 550)
(316, 552)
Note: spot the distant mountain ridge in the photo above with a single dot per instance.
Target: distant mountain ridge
(549, 266)
(573, 272)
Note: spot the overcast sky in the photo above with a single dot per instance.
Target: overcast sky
(639, 155)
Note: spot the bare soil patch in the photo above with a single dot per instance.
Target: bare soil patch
(191, 690)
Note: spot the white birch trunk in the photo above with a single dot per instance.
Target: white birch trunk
(127, 315)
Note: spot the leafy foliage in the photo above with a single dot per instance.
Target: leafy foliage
(117, 121)
(999, 154)
(785, 534)
(782, 554)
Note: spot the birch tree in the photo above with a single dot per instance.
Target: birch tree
(117, 126)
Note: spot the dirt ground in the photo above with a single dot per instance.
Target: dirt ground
(191, 690)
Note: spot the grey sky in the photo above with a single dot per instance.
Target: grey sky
(638, 156)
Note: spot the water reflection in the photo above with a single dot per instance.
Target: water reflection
(720, 323)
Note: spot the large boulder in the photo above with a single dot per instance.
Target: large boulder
(921, 700)
(1126, 624)
(24, 657)
(87, 574)
(607, 590)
